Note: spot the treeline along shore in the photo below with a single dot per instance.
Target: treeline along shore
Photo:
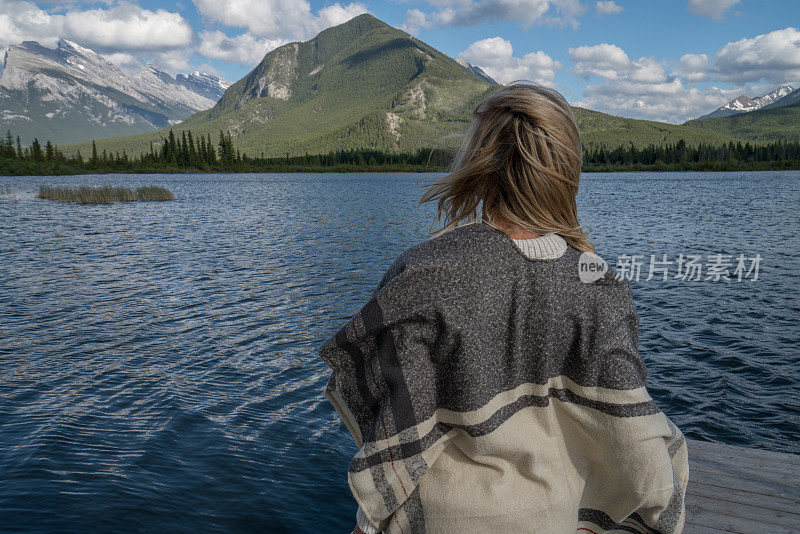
(185, 153)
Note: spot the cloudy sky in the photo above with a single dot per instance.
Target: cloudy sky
(667, 60)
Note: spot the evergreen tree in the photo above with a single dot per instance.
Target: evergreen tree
(202, 150)
(211, 153)
(93, 160)
(184, 154)
(172, 146)
(192, 151)
(9, 144)
(36, 151)
(49, 151)
(227, 155)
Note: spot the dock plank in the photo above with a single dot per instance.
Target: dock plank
(741, 490)
(700, 529)
(755, 483)
(771, 519)
(712, 458)
(702, 517)
(782, 457)
(737, 495)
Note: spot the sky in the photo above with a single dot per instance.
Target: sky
(666, 60)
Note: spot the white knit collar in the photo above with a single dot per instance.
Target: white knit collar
(546, 247)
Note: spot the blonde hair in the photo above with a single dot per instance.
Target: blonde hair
(521, 158)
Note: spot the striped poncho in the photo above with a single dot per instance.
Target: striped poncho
(491, 392)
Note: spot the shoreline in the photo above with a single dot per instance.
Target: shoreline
(791, 166)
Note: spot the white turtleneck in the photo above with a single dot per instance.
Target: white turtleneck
(546, 247)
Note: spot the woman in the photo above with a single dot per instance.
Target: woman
(489, 388)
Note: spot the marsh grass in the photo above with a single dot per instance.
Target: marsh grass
(154, 192)
(106, 194)
(6, 193)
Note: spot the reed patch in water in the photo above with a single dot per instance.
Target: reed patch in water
(154, 192)
(105, 194)
(6, 193)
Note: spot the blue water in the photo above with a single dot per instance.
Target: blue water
(158, 367)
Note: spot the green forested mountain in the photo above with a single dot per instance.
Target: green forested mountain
(366, 85)
(360, 84)
(764, 125)
(609, 131)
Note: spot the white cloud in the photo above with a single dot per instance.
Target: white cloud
(609, 7)
(127, 28)
(647, 70)
(774, 56)
(172, 60)
(470, 12)
(210, 69)
(24, 21)
(496, 56)
(668, 101)
(643, 88)
(694, 67)
(415, 19)
(335, 14)
(123, 60)
(244, 48)
(611, 62)
(126, 35)
(277, 19)
(605, 60)
(714, 9)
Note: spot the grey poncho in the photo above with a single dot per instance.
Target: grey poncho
(490, 392)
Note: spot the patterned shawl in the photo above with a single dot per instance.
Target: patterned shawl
(483, 387)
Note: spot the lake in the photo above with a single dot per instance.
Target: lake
(158, 361)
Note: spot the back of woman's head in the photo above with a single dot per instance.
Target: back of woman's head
(522, 159)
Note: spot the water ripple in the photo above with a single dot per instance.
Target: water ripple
(158, 366)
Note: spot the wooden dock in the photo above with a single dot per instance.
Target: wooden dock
(735, 489)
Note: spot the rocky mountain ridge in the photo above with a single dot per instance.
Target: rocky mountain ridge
(745, 104)
(72, 93)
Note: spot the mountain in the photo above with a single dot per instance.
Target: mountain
(743, 104)
(360, 83)
(203, 84)
(788, 100)
(364, 84)
(477, 70)
(71, 93)
(764, 125)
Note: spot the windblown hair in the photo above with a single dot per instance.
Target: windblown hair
(521, 158)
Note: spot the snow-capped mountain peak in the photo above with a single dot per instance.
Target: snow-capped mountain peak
(76, 49)
(744, 104)
(76, 91)
(474, 68)
(204, 84)
(774, 96)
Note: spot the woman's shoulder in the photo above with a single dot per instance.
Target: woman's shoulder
(463, 247)
(441, 263)
(478, 257)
